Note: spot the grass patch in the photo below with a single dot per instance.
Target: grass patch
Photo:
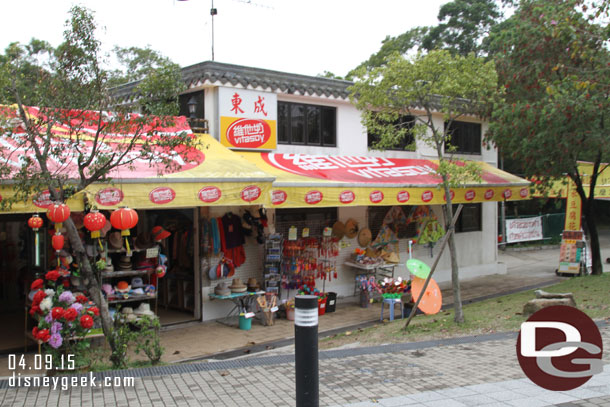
(501, 314)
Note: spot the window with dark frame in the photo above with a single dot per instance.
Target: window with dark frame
(407, 140)
(470, 219)
(465, 137)
(316, 219)
(299, 123)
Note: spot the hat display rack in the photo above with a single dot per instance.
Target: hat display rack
(130, 273)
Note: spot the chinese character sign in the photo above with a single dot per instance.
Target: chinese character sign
(248, 119)
(521, 230)
(573, 209)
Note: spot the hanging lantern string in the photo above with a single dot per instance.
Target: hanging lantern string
(57, 242)
(35, 222)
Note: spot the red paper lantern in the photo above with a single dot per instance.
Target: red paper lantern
(58, 213)
(57, 241)
(94, 222)
(124, 219)
(35, 222)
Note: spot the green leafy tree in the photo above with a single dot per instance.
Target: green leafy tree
(552, 107)
(463, 29)
(463, 26)
(159, 79)
(413, 86)
(70, 86)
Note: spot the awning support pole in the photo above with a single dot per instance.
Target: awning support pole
(438, 257)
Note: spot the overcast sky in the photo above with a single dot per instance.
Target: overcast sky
(306, 37)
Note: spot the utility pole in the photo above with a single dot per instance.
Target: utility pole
(213, 12)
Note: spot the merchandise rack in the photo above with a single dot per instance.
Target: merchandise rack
(272, 264)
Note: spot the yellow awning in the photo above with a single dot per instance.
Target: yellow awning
(318, 180)
(212, 175)
(602, 186)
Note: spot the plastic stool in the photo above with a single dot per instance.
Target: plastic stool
(391, 303)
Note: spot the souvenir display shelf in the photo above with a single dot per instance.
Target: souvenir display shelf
(272, 265)
(107, 276)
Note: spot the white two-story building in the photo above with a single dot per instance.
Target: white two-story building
(304, 131)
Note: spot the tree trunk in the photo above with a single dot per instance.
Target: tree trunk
(588, 210)
(455, 271)
(93, 285)
(596, 261)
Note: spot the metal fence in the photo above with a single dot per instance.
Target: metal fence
(552, 224)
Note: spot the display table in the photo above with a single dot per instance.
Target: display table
(241, 301)
(378, 269)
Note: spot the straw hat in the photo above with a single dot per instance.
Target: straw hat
(144, 241)
(351, 228)
(222, 289)
(237, 286)
(370, 252)
(126, 310)
(144, 309)
(338, 230)
(109, 267)
(253, 285)
(115, 241)
(391, 258)
(364, 237)
(125, 263)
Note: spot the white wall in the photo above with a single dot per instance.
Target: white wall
(211, 111)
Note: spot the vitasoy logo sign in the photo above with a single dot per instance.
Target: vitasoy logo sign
(248, 133)
(248, 119)
(209, 194)
(162, 195)
(347, 196)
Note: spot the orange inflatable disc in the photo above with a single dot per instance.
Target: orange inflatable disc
(432, 300)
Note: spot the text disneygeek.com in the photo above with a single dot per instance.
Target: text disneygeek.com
(67, 382)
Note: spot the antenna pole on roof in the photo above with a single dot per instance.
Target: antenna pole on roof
(213, 12)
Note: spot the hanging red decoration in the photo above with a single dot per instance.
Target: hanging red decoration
(94, 221)
(35, 222)
(124, 219)
(57, 241)
(58, 213)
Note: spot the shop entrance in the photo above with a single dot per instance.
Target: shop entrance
(19, 262)
(177, 289)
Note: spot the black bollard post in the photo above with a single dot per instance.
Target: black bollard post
(306, 350)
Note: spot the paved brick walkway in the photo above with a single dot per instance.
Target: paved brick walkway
(479, 372)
